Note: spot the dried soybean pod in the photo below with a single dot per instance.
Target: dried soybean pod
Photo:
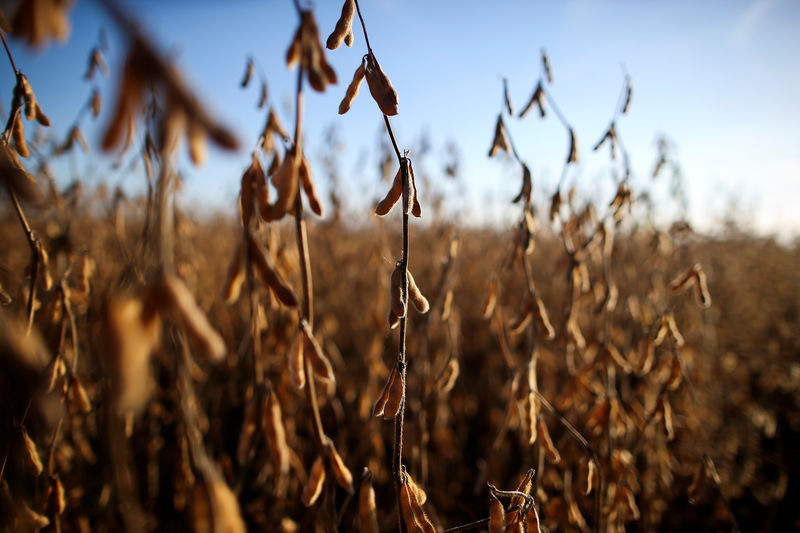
(315, 482)
(348, 38)
(343, 25)
(194, 321)
(196, 133)
(415, 295)
(320, 363)
(523, 319)
(682, 282)
(297, 361)
(701, 288)
(394, 398)
(547, 443)
(31, 452)
(497, 515)
(248, 72)
(304, 171)
(249, 424)
(380, 404)
(419, 495)
(396, 303)
(392, 319)
(342, 474)
(42, 119)
(487, 309)
(573, 147)
(18, 134)
(380, 87)
(544, 319)
(407, 511)
(285, 180)
(276, 435)
(500, 141)
(79, 395)
(391, 198)
(269, 274)
(353, 88)
(416, 210)
(628, 94)
(234, 278)
(367, 512)
(448, 379)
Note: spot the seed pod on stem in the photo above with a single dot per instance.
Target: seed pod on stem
(367, 512)
(391, 198)
(380, 87)
(315, 482)
(343, 25)
(353, 88)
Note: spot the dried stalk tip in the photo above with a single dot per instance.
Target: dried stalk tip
(380, 87)
(353, 88)
(343, 25)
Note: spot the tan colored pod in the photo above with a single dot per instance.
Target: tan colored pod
(497, 516)
(297, 361)
(343, 25)
(415, 295)
(235, 277)
(367, 511)
(32, 453)
(268, 273)
(180, 300)
(353, 89)
(304, 170)
(380, 404)
(18, 134)
(340, 471)
(315, 482)
(380, 87)
(544, 319)
(276, 435)
(396, 303)
(391, 198)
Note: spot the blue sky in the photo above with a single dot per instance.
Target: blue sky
(718, 78)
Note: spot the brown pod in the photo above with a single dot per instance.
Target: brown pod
(276, 435)
(487, 309)
(353, 88)
(248, 431)
(533, 417)
(392, 319)
(79, 395)
(544, 319)
(448, 378)
(674, 380)
(340, 471)
(293, 52)
(196, 133)
(538, 98)
(500, 141)
(415, 295)
(297, 361)
(684, 280)
(628, 94)
(591, 476)
(546, 66)
(248, 72)
(380, 87)
(573, 147)
(507, 98)
(320, 363)
(394, 398)
(415, 208)
(674, 331)
(419, 495)
(42, 119)
(391, 198)
(447, 304)
(497, 515)
(262, 97)
(367, 511)
(182, 303)
(18, 134)
(234, 278)
(285, 181)
(665, 409)
(380, 404)
(348, 38)
(396, 303)
(304, 170)
(343, 25)
(268, 273)
(28, 96)
(701, 288)
(32, 453)
(407, 503)
(547, 443)
(315, 482)
(523, 319)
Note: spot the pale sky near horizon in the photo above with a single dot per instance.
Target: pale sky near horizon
(719, 78)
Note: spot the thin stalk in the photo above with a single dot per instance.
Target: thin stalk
(307, 310)
(33, 243)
